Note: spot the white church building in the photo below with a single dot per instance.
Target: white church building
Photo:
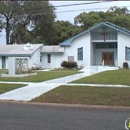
(104, 44)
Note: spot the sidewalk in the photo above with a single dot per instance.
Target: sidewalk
(33, 90)
(36, 89)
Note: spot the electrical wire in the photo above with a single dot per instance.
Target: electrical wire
(88, 9)
(77, 4)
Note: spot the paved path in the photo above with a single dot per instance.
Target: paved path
(33, 90)
(36, 89)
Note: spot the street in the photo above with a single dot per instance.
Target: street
(20, 116)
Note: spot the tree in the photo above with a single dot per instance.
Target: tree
(21, 16)
(64, 30)
(86, 20)
(118, 16)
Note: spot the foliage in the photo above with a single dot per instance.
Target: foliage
(118, 16)
(21, 16)
(69, 64)
(64, 64)
(64, 30)
(125, 65)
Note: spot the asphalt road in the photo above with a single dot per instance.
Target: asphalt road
(16, 116)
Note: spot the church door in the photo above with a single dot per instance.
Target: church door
(108, 58)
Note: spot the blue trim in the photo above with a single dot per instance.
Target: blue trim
(108, 24)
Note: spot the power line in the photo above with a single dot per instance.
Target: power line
(77, 10)
(87, 9)
(77, 4)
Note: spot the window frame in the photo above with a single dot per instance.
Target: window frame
(127, 53)
(48, 58)
(80, 53)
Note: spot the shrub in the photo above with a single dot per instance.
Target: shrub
(72, 64)
(64, 64)
(69, 64)
(125, 65)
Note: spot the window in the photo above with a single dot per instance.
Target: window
(127, 53)
(40, 58)
(80, 53)
(106, 45)
(49, 58)
(70, 58)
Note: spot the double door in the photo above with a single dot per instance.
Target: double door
(108, 58)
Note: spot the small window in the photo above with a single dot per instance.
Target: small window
(71, 58)
(49, 58)
(80, 53)
(40, 58)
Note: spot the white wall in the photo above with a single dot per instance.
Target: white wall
(0, 62)
(123, 41)
(35, 58)
(82, 41)
(56, 60)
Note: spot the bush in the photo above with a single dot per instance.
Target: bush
(125, 65)
(69, 64)
(72, 64)
(64, 64)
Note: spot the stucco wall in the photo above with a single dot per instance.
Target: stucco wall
(82, 41)
(123, 41)
(35, 58)
(0, 62)
(56, 60)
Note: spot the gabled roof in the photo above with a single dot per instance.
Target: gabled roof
(52, 49)
(108, 24)
(18, 50)
(69, 41)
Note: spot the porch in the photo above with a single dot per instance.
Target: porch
(103, 54)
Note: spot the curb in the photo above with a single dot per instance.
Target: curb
(67, 105)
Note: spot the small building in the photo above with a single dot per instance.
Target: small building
(27, 53)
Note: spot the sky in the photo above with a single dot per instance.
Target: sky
(75, 10)
(68, 13)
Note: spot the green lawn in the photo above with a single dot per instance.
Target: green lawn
(8, 87)
(121, 76)
(87, 95)
(41, 76)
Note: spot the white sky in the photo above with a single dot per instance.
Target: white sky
(69, 16)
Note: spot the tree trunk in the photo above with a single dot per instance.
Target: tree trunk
(7, 32)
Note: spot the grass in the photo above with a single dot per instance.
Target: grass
(7, 87)
(121, 76)
(41, 76)
(87, 96)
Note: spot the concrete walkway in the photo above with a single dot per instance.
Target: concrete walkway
(33, 90)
